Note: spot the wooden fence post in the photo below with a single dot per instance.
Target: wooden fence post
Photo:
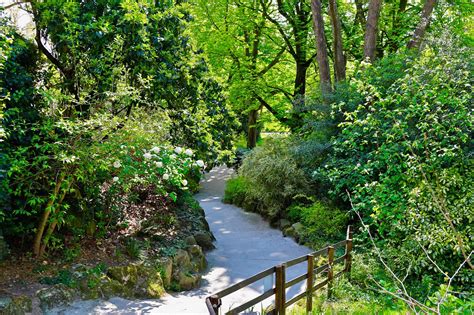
(349, 232)
(330, 269)
(213, 303)
(348, 259)
(310, 284)
(280, 292)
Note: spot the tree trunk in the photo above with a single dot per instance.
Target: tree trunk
(252, 129)
(370, 40)
(300, 79)
(45, 217)
(422, 25)
(339, 59)
(322, 53)
(402, 6)
(360, 16)
(54, 222)
(396, 31)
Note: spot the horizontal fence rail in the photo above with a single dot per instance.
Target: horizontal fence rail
(278, 291)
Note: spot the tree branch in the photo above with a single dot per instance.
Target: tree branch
(281, 31)
(277, 115)
(11, 5)
(272, 63)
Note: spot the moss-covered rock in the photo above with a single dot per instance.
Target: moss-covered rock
(296, 231)
(101, 286)
(17, 305)
(299, 229)
(188, 281)
(186, 267)
(284, 224)
(139, 280)
(57, 295)
(204, 240)
(181, 260)
(190, 240)
(165, 264)
(198, 260)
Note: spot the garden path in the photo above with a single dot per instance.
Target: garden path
(245, 245)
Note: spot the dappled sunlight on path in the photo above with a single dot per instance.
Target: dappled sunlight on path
(245, 245)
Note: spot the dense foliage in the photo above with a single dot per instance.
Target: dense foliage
(404, 154)
(355, 112)
(100, 85)
(274, 180)
(395, 153)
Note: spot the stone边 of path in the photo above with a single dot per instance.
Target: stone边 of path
(245, 245)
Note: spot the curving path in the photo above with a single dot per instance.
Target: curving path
(245, 245)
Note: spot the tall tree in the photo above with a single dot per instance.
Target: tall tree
(247, 49)
(292, 19)
(422, 25)
(370, 40)
(360, 14)
(339, 58)
(397, 27)
(322, 54)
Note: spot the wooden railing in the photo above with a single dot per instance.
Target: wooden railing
(214, 301)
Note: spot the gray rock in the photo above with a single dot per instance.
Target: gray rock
(187, 281)
(166, 264)
(190, 240)
(204, 240)
(57, 295)
(284, 223)
(198, 260)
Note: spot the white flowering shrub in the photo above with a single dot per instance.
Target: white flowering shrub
(164, 167)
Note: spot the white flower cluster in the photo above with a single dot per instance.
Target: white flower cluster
(200, 163)
(170, 163)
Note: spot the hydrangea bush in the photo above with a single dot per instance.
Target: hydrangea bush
(164, 167)
(74, 171)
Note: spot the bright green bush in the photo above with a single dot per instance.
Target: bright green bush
(236, 190)
(323, 223)
(405, 157)
(272, 178)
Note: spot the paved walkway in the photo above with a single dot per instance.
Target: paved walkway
(245, 245)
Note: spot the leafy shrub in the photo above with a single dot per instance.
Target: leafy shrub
(322, 223)
(133, 248)
(271, 178)
(65, 277)
(405, 156)
(71, 167)
(450, 303)
(236, 190)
